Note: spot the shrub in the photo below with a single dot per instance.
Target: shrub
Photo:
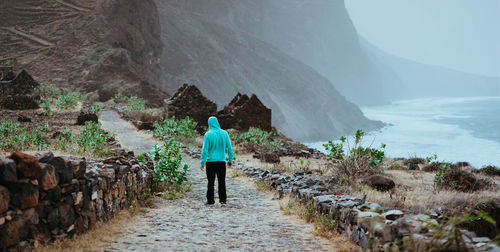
(65, 139)
(260, 140)
(462, 180)
(92, 138)
(134, 103)
(432, 167)
(185, 128)
(37, 140)
(47, 110)
(68, 101)
(489, 170)
(167, 161)
(95, 108)
(12, 136)
(414, 160)
(46, 90)
(335, 150)
(359, 160)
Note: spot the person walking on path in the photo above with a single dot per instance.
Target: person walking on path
(216, 144)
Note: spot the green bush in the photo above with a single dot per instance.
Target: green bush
(65, 140)
(260, 140)
(167, 161)
(37, 140)
(359, 160)
(185, 128)
(13, 137)
(68, 101)
(96, 108)
(92, 138)
(46, 106)
(46, 90)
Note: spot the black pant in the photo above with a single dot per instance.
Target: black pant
(216, 168)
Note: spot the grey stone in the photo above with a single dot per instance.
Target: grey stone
(393, 214)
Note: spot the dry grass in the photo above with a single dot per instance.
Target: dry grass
(323, 225)
(262, 185)
(94, 238)
(235, 173)
(414, 190)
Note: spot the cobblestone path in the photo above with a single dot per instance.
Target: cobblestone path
(249, 222)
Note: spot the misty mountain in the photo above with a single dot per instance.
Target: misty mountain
(223, 60)
(320, 34)
(407, 79)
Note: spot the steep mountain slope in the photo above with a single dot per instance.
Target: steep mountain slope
(222, 61)
(318, 33)
(406, 79)
(83, 44)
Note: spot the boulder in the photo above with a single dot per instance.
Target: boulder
(13, 232)
(8, 170)
(49, 177)
(63, 168)
(379, 182)
(270, 157)
(27, 165)
(86, 117)
(66, 214)
(4, 200)
(23, 195)
(244, 112)
(393, 214)
(189, 101)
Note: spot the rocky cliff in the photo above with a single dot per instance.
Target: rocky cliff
(84, 44)
(223, 60)
(320, 34)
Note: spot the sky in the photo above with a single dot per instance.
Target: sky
(459, 34)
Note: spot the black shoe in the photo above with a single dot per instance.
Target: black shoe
(209, 204)
(223, 204)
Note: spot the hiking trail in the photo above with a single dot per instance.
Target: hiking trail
(250, 221)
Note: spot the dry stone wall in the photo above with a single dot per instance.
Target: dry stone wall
(47, 197)
(367, 224)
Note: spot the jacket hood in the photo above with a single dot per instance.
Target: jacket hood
(213, 123)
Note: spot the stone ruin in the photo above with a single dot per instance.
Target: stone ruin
(189, 101)
(244, 112)
(16, 91)
(241, 113)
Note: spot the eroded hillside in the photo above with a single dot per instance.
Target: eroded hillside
(87, 45)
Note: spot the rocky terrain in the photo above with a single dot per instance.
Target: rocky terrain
(84, 45)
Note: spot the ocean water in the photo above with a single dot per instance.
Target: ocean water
(455, 129)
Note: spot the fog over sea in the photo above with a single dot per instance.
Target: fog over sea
(456, 129)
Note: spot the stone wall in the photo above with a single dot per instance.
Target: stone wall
(367, 224)
(47, 197)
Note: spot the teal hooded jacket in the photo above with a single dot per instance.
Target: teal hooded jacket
(216, 143)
